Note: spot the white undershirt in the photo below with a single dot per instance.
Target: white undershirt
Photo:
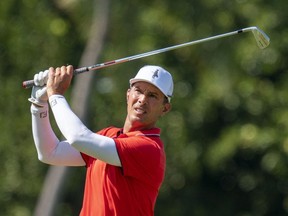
(78, 137)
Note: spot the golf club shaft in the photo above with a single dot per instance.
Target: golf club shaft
(30, 83)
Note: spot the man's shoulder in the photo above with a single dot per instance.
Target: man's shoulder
(110, 131)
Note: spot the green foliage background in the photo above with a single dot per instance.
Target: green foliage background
(227, 135)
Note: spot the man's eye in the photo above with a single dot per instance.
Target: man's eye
(138, 91)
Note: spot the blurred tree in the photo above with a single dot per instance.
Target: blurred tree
(57, 176)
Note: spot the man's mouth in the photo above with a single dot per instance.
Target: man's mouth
(139, 110)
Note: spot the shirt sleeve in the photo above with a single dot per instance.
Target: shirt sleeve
(109, 132)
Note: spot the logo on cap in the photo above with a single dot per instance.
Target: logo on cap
(155, 74)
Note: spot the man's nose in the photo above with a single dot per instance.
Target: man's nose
(142, 99)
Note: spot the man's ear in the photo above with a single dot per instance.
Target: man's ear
(127, 95)
(167, 107)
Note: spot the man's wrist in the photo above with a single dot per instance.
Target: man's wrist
(41, 111)
(53, 99)
(37, 103)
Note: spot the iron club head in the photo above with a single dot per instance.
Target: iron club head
(261, 38)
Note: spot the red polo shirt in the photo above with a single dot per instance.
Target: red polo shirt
(130, 190)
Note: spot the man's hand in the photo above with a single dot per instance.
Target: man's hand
(39, 95)
(59, 80)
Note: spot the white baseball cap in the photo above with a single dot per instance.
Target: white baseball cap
(156, 76)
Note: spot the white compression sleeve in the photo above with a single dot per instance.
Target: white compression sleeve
(79, 136)
(50, 150)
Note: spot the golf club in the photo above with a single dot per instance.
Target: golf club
(261, 38)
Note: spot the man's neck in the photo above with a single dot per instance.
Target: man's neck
(129, 127)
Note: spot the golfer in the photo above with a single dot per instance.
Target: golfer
(125, 166)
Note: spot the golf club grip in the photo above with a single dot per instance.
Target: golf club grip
(28, 84)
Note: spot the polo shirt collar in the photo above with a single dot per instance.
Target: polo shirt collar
(150, 132)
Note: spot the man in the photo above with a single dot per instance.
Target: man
(125, 166)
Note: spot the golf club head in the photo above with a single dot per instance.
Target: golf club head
(261, 38)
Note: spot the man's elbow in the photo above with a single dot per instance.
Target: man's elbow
(75, 139)
(45, 159)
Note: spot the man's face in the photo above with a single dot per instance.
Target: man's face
(145, 104)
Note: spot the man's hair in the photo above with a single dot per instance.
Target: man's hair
(166, 100)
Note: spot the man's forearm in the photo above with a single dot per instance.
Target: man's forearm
(44, 138)
(50, 150)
